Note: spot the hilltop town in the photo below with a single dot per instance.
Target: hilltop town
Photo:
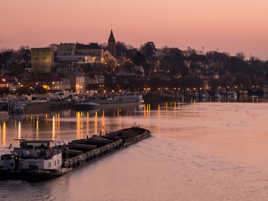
(116, 67)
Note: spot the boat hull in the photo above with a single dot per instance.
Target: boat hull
(32, 175)
(83, 106)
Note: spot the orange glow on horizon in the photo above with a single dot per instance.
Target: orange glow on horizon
(229, 26)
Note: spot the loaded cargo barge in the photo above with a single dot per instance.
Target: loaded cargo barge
(37, 160)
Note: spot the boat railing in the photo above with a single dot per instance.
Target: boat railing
(6, 150)
(37, 153)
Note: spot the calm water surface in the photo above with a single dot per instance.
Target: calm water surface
(205, 152)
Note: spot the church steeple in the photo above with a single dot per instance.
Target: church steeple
(112, 44)
(111, 38)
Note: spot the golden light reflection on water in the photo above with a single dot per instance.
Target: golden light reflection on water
(96, 123)
(19, 130)
(58, 122)
(144, 110)
(88, 125)
(37, 129)
(78, 125)
(53, 128)
(4, 143)
(147, 111)
(103, 122)
(81, 126)
(255, 99)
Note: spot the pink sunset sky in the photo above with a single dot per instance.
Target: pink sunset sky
(228, 26)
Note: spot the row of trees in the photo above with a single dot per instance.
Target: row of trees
(190, 65)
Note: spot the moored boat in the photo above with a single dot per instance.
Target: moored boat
(86, 105)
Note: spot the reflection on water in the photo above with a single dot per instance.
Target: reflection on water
(78, 123)
(37, 129)
(53, 128)
(199, 151)
(4, 134)
(19, 131)
(59, 126)
(96, 123)
(103, 123)
(88, 126)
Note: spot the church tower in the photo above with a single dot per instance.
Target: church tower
(112, 44)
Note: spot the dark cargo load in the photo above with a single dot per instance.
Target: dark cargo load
(68, 153)
(82, 147)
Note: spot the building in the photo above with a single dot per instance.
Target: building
(93, 49)
(48, 81)
(94, 81)
(42, 60)
(66, 49)
(80, 84)
(81, 59)
(77, 49)
(112, 44)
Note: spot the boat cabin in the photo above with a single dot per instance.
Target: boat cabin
(36, 144)
(39, 154)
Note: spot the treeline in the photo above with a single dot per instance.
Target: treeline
(172, 67)
(164, 68)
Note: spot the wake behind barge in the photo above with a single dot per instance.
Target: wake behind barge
(37, 160)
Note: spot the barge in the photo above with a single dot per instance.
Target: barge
(37, 160)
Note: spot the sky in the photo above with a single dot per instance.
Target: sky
(224, 25)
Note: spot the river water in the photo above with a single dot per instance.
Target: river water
(204, 151)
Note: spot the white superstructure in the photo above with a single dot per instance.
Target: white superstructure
(33, 155)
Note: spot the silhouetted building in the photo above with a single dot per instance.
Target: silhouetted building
(93, 49)
(42, 60)
(112, 44)
(66, 49)
(91, 53)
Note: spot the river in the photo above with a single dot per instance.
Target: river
(203, 151)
